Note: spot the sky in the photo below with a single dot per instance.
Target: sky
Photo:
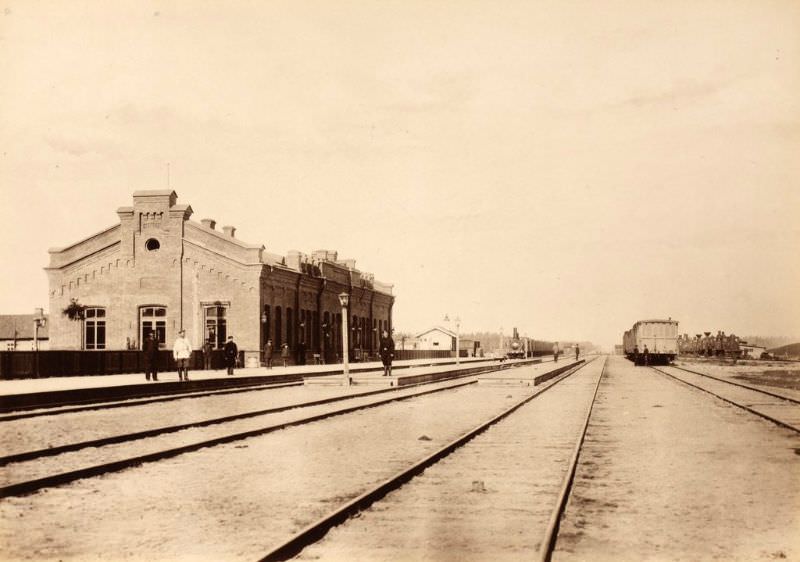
(564, 167)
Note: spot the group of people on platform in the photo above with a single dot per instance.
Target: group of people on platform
(182, 354)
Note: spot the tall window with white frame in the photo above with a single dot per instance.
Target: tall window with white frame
(95, 327)
(153, 319)
(216, 325)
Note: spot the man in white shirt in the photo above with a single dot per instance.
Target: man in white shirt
(182, 352)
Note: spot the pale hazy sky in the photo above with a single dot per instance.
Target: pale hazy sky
(564, 167)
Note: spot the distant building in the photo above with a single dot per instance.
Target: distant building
(619, 349)
(437, 338)
(751, 351)
(158, 271)
(18, 332)
(469, 346)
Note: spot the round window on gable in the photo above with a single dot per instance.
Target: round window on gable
(152, 245)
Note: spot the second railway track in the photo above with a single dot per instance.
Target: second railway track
(514, 469)
(778, 408)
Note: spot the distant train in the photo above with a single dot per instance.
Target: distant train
(517, 347)
(651, 342)
(721, 346)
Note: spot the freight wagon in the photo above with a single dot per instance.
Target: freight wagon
(658, 337)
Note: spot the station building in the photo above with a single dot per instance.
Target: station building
(158, 271)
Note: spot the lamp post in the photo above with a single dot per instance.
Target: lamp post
(457, 322)
(458, 345)
(344, 299)
(39, 321)
(263, 334)
(322, 343)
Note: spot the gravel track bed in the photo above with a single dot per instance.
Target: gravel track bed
(768, 405)
(235, 501)
(91, 456)
(489, 500)
(667, 473)
(30, 434)
(777, 378)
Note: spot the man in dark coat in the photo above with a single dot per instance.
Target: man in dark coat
(150, 348)
(231, 351)
(387, 353)
(268, 351)
(207, 355)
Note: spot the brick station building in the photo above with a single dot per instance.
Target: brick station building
(158, 271)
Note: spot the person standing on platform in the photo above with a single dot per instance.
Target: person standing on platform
(206, 355)
(387, 353)
(285, 354)
(577, 352)
(646, 355)
(150, 349)
(555, 352)
(635, 354)
(268, 354)
(182, 352)
(231, 351)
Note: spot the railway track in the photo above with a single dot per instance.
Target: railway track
(17, 463)
(345, 514)
(232, 428)
(58, 408)
(778, 408)
(48, 403)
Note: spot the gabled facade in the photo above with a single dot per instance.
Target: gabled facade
(159, 271)
(437, 338)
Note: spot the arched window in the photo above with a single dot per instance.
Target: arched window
(290, 328)
(216, 323)
(153, 319)
(95, 328)
(278, 340)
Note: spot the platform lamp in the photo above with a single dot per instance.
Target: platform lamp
(39, 321)
(457, 320)
(344, 300)
(264, 325)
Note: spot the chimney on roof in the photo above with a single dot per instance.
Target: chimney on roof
(229, 230)
(294, 259)
(209, 223)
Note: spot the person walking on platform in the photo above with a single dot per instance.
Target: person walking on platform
(285, 354)
(646, 355)
(387, 353)
(577, 351)
(555, 352)
(268, 354)
(231, 351)
(182, 352)
(206, 355)
(150, 349)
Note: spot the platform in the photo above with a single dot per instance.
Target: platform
(530, 376)
(16, 394)
(419, 374)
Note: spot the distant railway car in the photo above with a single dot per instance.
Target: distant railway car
(660, 337)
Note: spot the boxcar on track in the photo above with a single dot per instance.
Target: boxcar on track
(659, 336)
